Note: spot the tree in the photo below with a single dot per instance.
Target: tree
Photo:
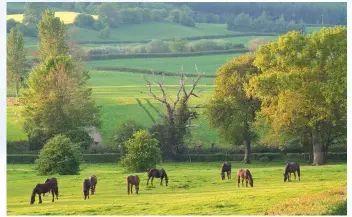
(59, 156)
(186, 20)
(11, 23)
(177, 116)
(33, 11)
(303, 86)
(108, 12)
(122, 133)
(52, 35)
(230, 109)
(15, 59)
(84, 20)
(57, 101)
(143, 152)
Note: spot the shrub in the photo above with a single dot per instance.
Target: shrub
(264, 159)
(84, 21)
(339, 209)
(28, 30)
(105, 33)
(59, 156)
(99, 24)
(122, 133)
(143, 152)
(157, 46)
(11, 23)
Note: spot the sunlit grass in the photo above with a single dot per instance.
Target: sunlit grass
(194, 189)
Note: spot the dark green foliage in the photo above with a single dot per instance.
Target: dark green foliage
(104, 33)
(99, 24)
(108, 12)
(59, 156)
(84, 21)
(131, 15)
(11, 23)
(33, 11)
(339, 209)
(28, 30)
(143, 152)
(159, 14)
(122, 133)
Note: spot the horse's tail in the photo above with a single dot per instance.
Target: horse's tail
(166, 178)
(137, 177)
(298, 171)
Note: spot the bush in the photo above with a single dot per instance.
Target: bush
(264, 159)
(59, 156)
(143, 152)
(99, 24)
(157, 46)
(105, 33)
(84, 21)
(122, 133)
(29, 31)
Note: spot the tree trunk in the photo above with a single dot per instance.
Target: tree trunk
(17, 89)
(247, 138)
(318, 158)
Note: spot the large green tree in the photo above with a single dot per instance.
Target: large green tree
(230, 109)
(52, 36)
(303, 86)
(108, 12)
(57, 101)
(15, 59)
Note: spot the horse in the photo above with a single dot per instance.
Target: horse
(132, 180)
(245, 174)
(93, 180)
(155, 173)
(44, 188)
(292, 168)
(86, 187)
(53, 179)
(226, 167)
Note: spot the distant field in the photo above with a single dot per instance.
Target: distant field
(208, 64)
(194, 189)
(66, 16)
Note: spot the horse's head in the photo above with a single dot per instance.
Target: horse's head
(32, 199)
(251, 182)
(222, 176)
(285, 176)
(166, 181)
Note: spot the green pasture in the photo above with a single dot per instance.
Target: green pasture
(207, 63)
(194, 189)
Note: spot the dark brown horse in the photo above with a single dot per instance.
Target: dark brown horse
(44, 188)
(226, 167)
(245, 174)
(93, 181)
(292, 168)
(53, 179)
(132, 180)
(155, 173)
(86, 187)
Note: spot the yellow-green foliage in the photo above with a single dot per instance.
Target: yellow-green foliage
(67, 16)
(194, 189)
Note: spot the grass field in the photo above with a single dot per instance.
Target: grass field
(194, 189)
(66, 16)
(208, 63)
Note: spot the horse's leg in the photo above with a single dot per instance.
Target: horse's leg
(57, 193)
(239, 181)
(152, 180)
(131, 189)
(52, 192)
(294, 173)
(40, 199)
(161, 180)
(229, 174)
(148, 180)
(242, 182)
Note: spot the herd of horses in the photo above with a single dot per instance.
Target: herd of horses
(89, 184)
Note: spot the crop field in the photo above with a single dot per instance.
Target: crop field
(66, 16)
(194, 189)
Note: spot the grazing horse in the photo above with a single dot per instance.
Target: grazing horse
(226, 167)
(54, 180)
(132, 180)
(93, 180)
(157, 174)
(245, 174)
(86, 188)
(44, 188)
(292, 168)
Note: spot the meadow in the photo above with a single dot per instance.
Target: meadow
(194, 189)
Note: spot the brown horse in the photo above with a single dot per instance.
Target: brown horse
(44, 188)
(132, 180)
(54, 180)
(226, 167)
(292, 168)
(93, 180)
(245, 174)
(86, 187)
(158, 174)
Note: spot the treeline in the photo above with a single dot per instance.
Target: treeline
(264, 23)
(159, 46)
(310, 12)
